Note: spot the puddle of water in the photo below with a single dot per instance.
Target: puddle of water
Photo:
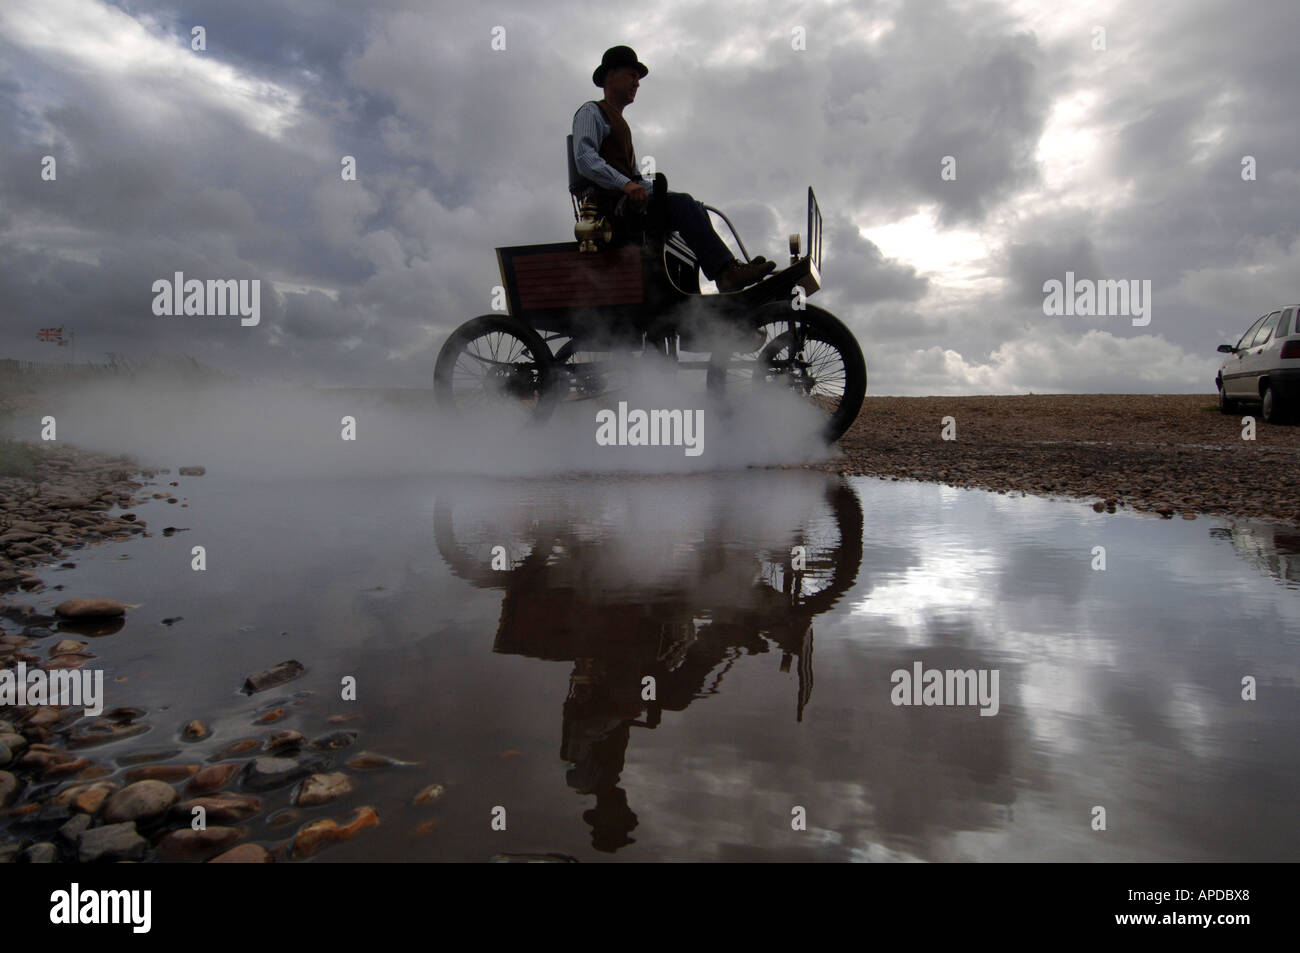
(525, 686)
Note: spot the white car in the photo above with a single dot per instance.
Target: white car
(1263, 367)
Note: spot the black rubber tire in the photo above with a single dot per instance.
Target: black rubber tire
(1271, 408)
(1226, 405)
(820, 326)
(529, 357)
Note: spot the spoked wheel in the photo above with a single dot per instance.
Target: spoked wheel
(831, 538)
(495, 363)
(809, 353)
(579, 374)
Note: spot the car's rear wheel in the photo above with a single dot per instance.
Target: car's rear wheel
(1272, 409)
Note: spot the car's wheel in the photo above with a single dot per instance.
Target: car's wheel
(1226, 406)
(495, 363)
(1272, 409)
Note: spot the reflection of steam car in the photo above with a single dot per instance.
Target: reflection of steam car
(580, 312)
(1264, 367)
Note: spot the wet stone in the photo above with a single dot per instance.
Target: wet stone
(236, 748)
(74, 828)
(9, 786)
(284, 741)
(189, 844)
(533, 859)
(111, 842)
(146, 757)
(323, 788)
(334, 740)
(196, 731)
(277, 675)
(372, 761)
(429, 795)
(264, 774)
(320, 834)
(221, 808)
(212, 778)
(143, 799)
(90, 608)
(42, 853)
(162, 772)
(244, 854)
(98, 734)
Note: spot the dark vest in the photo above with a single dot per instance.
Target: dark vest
(617, 147)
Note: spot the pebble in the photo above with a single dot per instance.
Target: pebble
(320, 834)
(86, 798)
(533, 859)
(143, 757)
(189, 844)
(212, 778)
(283, 740)
(69, 647)
(370, 761)
(264, 774)
(143, 799)
(8, 788)
(191, 471)
(162, 772)
(276, 675)
(42, 853)
(333, 740)
(74, 828)
(323, 788)
(429, 795)
(274, 715)
(102, 733)
(244, 854)
(235, 748)
(111, 842)
(196, 731)
(221, 808)
(91, 608)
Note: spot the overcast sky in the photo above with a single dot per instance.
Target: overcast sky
(1115, 163)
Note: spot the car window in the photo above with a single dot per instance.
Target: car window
(1284, 326)
(1265, 330)
(1250, 333)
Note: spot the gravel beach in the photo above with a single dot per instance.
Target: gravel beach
(1172, 454)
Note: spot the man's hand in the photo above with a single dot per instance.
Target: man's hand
(636, 192)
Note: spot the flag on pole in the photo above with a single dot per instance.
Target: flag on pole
(50, 334)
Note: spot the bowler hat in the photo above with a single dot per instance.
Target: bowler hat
(615, 57)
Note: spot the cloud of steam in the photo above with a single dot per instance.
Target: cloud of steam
(262, 429)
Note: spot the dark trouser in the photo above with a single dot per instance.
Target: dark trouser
(687, 216)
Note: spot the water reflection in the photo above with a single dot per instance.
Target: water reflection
(1272, 548)
(653, 613)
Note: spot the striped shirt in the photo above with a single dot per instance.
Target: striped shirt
(590, 127)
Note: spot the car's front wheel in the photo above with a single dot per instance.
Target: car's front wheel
(1226, 406)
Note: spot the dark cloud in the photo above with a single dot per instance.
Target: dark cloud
(233, 171)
